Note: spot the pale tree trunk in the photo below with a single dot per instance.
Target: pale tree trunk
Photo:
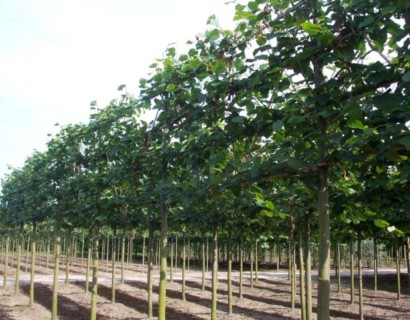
(308, 266)
(241, 267)
(351, 270)
(171, 264)
(94, 288)
(150, 269)
(183, 268)
(33, 264)
(122, 257)
(396, 247)
(229, 273)
(203, 262)
(87, 268)
(57, 248)
(359, 264)
(375, 263)
(301, 279)
(214, 273)
(6, 261)
(19, 244)
(113, 257)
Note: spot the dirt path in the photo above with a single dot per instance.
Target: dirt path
(268, 299)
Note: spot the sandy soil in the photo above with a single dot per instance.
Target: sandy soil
(268, 299)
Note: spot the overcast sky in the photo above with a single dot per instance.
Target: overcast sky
(56, 56)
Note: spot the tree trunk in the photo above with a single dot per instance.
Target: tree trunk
(143, 254)
(301, 279)
(203, 262)
(183, 268)
(113, 251)
(19, 244)
(6, 261)
(241, 266)
(67, 260)
(229, 273)
(256, 262)
(150, 269)
(163, 263)
(57, 247)
(339, 281)
(122, 257)
(375, 263)
(214, 273)
(33, 264)
(87, 270)
(171, 264)
(396, 247)
(359, 263)
(308, 267)
(94, 288)
(408, 259)
(351, 271)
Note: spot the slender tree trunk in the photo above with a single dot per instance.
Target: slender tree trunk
(108, 256)
(67, 260)
(375, 263)
(150, 269)
(408, 259)
(229, 273)
(171, 264)
(308, 267)
(19, 244)
(214, 273)
(27, 252)
(351, 270)
(241, 267)
(6, 261)
(278, 254)
(203, 262)
(176, 252)
(122, 257)
(251, 264)
(183, 268)
(87, 268)
(256, 262)
(164, 256)
(82, 251)
(33, 264)
(301, 279)
(396, 246)
(359, 263)
(57, 247)
(94, 288)
(113, 251)
(339, 281)
(143, 254)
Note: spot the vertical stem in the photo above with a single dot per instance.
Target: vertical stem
(408, 258)
(396, 246)
(87, 268)
(94, 288)
(229, 272)
(183, 268)
(241, 266)
(150, 269)
(375, 263)
(33, 263)
(351, 270)
(301, 279)
(113, 251)
(57, 245)
(6, 261)
(19, 243)
(339, 282)
(143, 253)
(214, 273)
(122, 257)
(359, 263)
(203, 262)
(171, 265)
(308, 267)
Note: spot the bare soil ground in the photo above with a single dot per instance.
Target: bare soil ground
(268, 299)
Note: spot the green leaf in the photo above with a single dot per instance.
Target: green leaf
(311, 28)
(405, 141)
(238, 119)
(121, 87)
(356, 124)
(170, 87)
(278, 125)
(380, 223)
(406, 76)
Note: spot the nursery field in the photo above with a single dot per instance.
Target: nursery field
(268, 299)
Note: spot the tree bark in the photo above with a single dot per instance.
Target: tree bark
(57, 247)
(214, 273)
(33, 264)
(94, 288)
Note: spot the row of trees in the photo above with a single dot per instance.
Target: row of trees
(298, 116)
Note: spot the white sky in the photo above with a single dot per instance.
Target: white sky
(56, 56)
